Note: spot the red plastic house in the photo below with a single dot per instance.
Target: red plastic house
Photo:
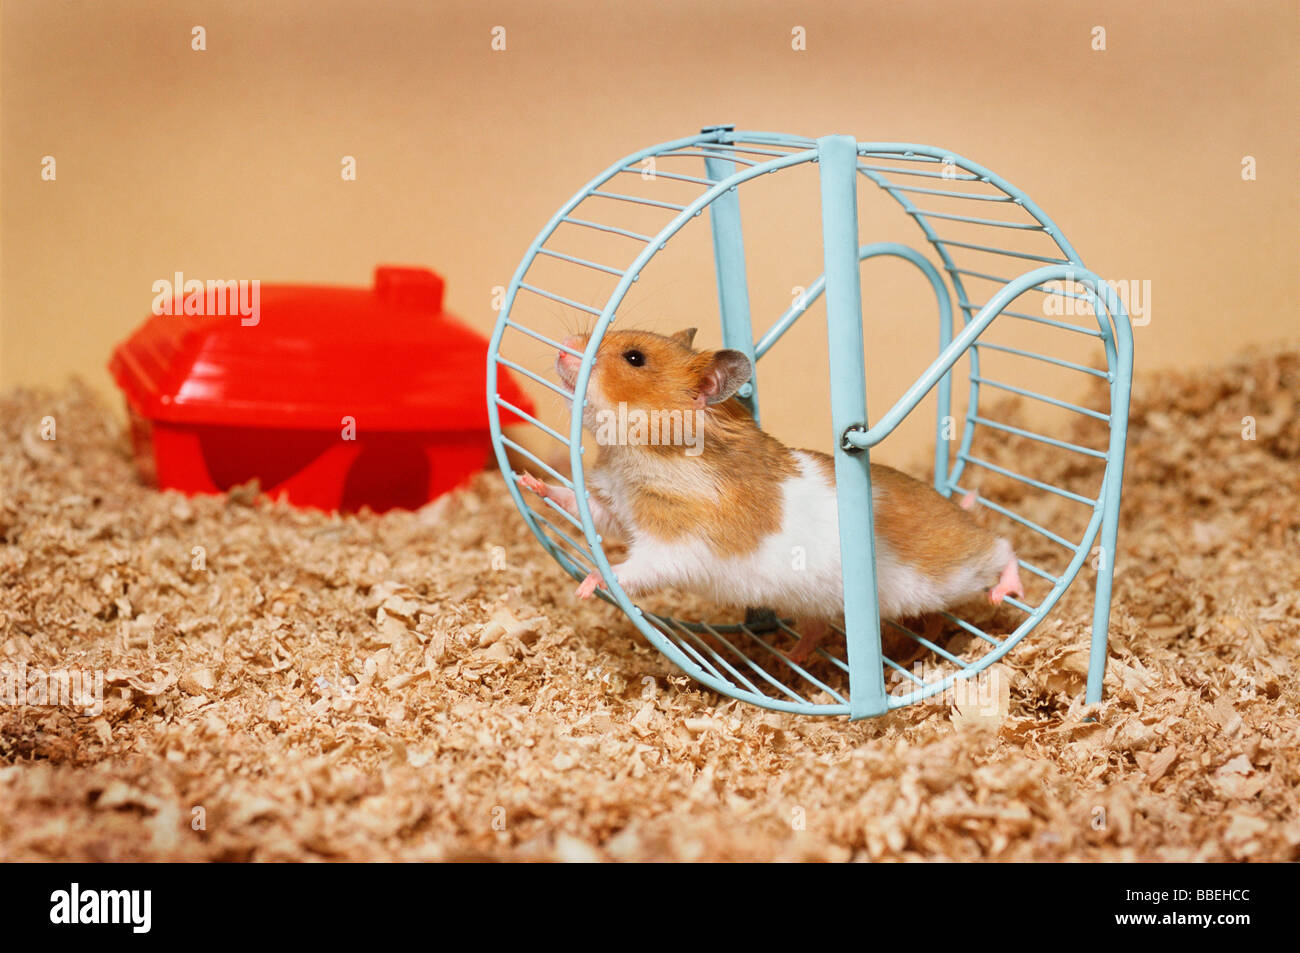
(337, 398)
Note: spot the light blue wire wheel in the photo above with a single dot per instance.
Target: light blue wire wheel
(744, 660)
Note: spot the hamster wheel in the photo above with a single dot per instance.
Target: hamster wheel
(992, 243)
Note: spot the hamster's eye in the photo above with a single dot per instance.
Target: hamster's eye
(634, 357)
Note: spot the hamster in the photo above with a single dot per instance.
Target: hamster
(710, 503)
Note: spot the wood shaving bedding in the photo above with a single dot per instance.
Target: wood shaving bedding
(290, 685)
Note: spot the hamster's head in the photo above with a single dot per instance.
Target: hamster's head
(645, 371)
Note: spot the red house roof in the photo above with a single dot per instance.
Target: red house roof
(308, 355)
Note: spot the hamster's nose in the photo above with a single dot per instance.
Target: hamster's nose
(576, 343)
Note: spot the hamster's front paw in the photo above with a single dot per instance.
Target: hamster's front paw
(530, 482)
(561, 496)
(590, 585)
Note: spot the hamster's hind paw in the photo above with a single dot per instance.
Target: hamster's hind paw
(1008, 584)
(814, 633)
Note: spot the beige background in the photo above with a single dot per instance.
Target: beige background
(225, 163)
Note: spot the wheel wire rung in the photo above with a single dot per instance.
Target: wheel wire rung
(502, 402)
(575, 523)
(1049, 322)
(1062, 292)
(538, 336)
(902, 157)
(637, 200)
(673, 623)
(966, 177)
(1027, 481)
(989, 249)
(704, 154)
(519, 369)
(657, 173)
(898, 668)
(585, 263)
(1045, 358)
(1056, 402)
(565, 537)
(758, 669)
(922, 640)
(627, 233)
(781, 657)
(804, 674)
(972, 629)
(525, 452)
(1000, 197)
(559, 298)
(747, 150)
(1013, 601)
(1023, 521)
(976, 274)
(1041, 573)
(1019, 226)
(999, 425)
(686, 646)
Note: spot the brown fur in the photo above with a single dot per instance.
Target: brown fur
(747, 466)
(927, 531)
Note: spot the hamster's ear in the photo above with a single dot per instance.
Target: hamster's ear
(685, 337)
(726, 371)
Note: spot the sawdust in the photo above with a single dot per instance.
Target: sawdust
(286, 685)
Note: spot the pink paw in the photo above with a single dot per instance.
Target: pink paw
(1008, 584)
(968, 501)
(814, 633)
(590, 585)
(530, 482)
